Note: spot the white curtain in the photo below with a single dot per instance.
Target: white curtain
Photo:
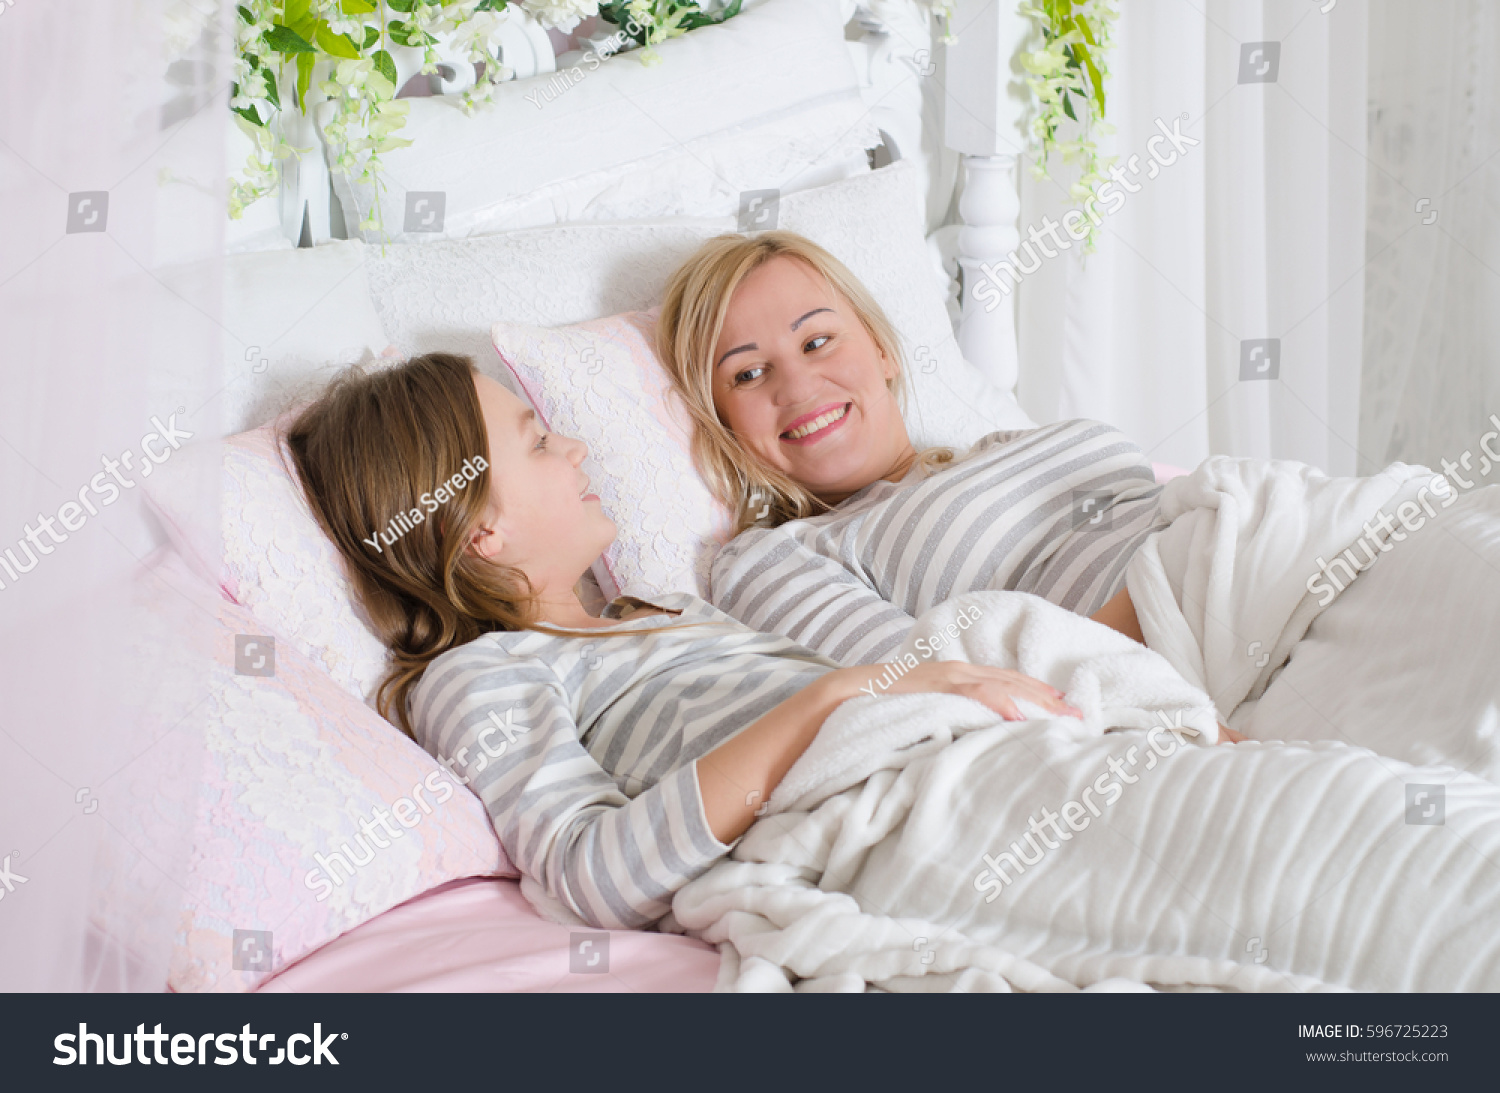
(1432, 320)
(1255, 233)
(111, 167)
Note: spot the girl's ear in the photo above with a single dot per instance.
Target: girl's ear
(486, 541)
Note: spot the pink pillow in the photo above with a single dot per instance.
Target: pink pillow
(280, 861)
(601, 382)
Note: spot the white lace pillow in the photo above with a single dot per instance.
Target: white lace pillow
(268, 553)
(601, 382)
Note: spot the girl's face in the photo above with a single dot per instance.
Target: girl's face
(801, 383)
(540, 517)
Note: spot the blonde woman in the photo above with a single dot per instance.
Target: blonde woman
(845, 531)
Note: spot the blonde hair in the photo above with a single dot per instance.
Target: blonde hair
(367, 449)
(692, 318)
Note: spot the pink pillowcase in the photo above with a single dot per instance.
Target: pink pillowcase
(301, 785)
(601, 383)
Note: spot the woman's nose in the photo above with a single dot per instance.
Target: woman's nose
(577, 451)
(794, 382)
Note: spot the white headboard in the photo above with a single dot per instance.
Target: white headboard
(958, 109)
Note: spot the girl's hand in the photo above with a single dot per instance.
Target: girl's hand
(997, 688)
(1229, 736)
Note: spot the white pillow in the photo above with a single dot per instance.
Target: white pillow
(291, 319)
(445, 295)
(768, 99)
(268, 553)
(601, 382)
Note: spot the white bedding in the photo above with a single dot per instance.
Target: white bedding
(1272, 865)
(1404, 661)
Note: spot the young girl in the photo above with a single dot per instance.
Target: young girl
(618, 756)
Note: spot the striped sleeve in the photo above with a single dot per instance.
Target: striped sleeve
(769, 581)
(504, 724)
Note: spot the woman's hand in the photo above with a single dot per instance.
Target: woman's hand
(1228, 735)
(997, 688)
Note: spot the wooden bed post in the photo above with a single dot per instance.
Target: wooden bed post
(984, 119)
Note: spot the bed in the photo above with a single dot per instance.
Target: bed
(548, 262)
(330, 852)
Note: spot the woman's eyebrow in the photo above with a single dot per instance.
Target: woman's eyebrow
(524, 419)
(810, 314)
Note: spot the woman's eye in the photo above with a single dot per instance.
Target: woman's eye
(749, 375)
(816, 343)
(541, 443)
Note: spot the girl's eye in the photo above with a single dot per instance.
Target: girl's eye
(816, 343)
(749, 375)
(541, 443)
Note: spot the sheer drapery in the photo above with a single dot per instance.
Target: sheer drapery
(1242, 256)
(111, 166)
(1432, 327)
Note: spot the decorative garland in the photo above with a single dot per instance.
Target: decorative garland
(1067, 76)
(281, 41)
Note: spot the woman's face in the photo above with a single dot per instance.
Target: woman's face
(801, 383)
(541, 518)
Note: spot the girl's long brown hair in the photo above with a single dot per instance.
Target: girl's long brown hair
(369, 448)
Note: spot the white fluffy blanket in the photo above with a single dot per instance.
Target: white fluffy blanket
(923, 844)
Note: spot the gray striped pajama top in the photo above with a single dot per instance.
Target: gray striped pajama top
(1056, 511)
(582, 749)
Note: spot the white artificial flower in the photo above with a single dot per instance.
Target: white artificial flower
(562, 14)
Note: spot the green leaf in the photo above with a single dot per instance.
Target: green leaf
(273, 95)
(405, 34)
(385, 65)
(284, 39)
(404, 6)
(1068, 106)
(335, 45)
(305, 63)
(372, 35)
(249, 113)
(245, 14)
(491, 5)
(695, 19)
(357, 7)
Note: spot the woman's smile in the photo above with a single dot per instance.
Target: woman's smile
(813, 427)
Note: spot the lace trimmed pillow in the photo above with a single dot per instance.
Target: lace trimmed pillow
(313, 816)
(601, 382)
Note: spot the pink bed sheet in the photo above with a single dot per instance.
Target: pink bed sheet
(480, 935)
